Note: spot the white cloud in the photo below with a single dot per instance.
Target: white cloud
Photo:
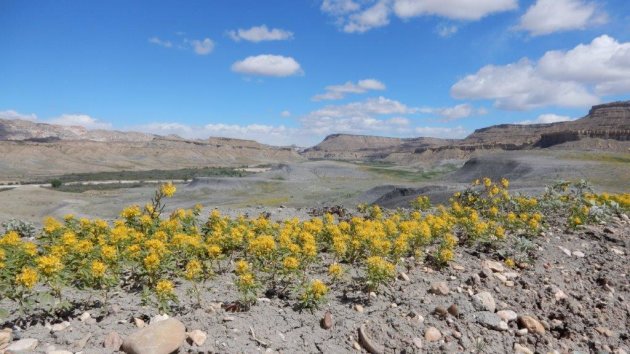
(267, 65)
(161, 42)
(82, 120)
(259, 34)
(446, 31)
(452, 9)
(549, 16)
(575, 78)
(202, 46)
(456, 112)
(285, 114)
(336, 92)
(372, 17)
(546, 119)
(362, 16)
(339, 7)
(11, 114)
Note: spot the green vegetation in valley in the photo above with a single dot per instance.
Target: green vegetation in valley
(413, 176)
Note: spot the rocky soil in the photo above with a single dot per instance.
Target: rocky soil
(572, 296)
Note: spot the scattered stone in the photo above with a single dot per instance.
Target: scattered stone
(23, 345)
(6, 336)
(358, 308)
(453, 310)
(367, 343)
(417, 342)
(493, 265)
(432, 334)
(522, 332)
(81, 343)
(159, 318)
(372, 295)
(440, 312)
(519, 349)
(484, 301)
(532, 324)
(228, 319)
(403, 276)
(507, 315)
(560, 295)
(163, 337)
(58, 327)
(327, 320)
(139, 322)
(356, 345)
(197, 337)
(578, 254)
(604, 331)
(617, 251)
(84, 316)
(113, 341)
(490, 320)
(439, 288)
(59, 352)
(566, 251)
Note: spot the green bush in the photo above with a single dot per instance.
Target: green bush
(56, 183)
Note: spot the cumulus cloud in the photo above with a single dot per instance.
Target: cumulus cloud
(268, 65)
(202, 46)
(11, 114)
(161, 42)
(549, 16)
(260, 33)
(456, 112)
(285, 114)
(442, 132)
(362, 16)
(337, 92)
(82, 120)
(452, 9)
(372, 17)
(547, 118)
(575, 78)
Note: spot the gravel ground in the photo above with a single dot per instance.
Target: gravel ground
(575, 290)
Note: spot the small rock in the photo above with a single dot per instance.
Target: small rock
(519, 349)
(113, 341)
(578, 254)
(440, 312)
(439, 288)
(493, 265)
(566, 251)
(139, 322)
(163, 337)
(560, 295)
(484, 301)
(58, 327)
(159, 318)
(5, 337)
(358, 308)
(228, 319)
(453, 310)
(367, 343)
(417, 342)
(327, 320)
(356, 345)
(197, 337)
(532, 324)
(84, 316)
(507, 315)
(501, 277)
(403, 276)
(491, 320)
(432, 334)
(59, 352)
(372, 295)
(604, 331)
(23, 345)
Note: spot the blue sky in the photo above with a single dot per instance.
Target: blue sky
(292, 72)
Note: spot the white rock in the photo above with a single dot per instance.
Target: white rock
(159, 318)
(139, 322)
(507, 315)
(566, 251)
(57, 327)
(560, 295)
(403, 276)
(493, 265)
(432, 334)
(59, 352)
(578, 254)
(519, 349)
(23, 345)
(417, 342)
(163, 337)
(84, 316)
(198, 337)
(484, 301)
